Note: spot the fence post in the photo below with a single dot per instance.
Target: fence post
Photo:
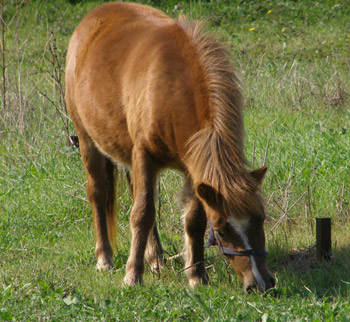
(323, 238)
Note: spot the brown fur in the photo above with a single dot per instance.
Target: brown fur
(152, 92)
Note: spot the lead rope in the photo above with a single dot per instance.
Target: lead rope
(195, 264)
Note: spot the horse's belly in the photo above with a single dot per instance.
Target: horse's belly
(109, 132)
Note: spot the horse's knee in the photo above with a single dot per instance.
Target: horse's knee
(142, 216)
(195, 222)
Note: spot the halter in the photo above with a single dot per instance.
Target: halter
(214, 240)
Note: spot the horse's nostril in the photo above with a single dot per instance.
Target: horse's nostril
(272, 282)
(250, 289)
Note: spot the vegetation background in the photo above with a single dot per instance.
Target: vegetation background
(293, 58)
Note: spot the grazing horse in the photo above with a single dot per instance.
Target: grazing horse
(151, 93)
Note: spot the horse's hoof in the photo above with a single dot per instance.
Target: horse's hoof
(104, 264)
(156, 267)
(199, 280)
(131, 280)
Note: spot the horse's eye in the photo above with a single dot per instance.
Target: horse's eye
(220, 234)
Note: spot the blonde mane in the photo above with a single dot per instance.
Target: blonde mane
(216, 152)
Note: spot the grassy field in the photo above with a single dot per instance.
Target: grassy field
(293, 58)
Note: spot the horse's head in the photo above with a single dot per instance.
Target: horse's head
(240, 229)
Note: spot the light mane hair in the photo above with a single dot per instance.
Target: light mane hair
(215, 153)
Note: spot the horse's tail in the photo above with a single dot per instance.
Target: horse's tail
(112, 216)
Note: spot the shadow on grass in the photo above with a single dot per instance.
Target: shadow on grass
(302, 272)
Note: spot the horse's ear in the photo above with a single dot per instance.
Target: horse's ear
(207, 193)
(259, 174)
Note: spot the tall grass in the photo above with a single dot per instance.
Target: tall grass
(293, 59)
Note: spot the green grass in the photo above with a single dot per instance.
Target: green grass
(293, 58)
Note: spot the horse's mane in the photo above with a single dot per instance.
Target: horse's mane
(216, 153)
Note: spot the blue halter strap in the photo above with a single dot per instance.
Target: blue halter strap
(214, 240)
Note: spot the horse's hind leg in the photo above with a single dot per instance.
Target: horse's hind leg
(154, 250)
(195, 226)
(98, 187)
(142, 214)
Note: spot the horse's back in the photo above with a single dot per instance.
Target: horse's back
(111, 18)
(129, 83)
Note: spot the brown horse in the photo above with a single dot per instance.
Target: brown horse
(151, 92)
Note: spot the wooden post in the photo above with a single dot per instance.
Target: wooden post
(323, 238)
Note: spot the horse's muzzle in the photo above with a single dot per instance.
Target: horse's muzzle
(268, 285)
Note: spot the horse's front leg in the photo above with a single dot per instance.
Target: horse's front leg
(142, 214)
(154, 250)
(195, 225)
